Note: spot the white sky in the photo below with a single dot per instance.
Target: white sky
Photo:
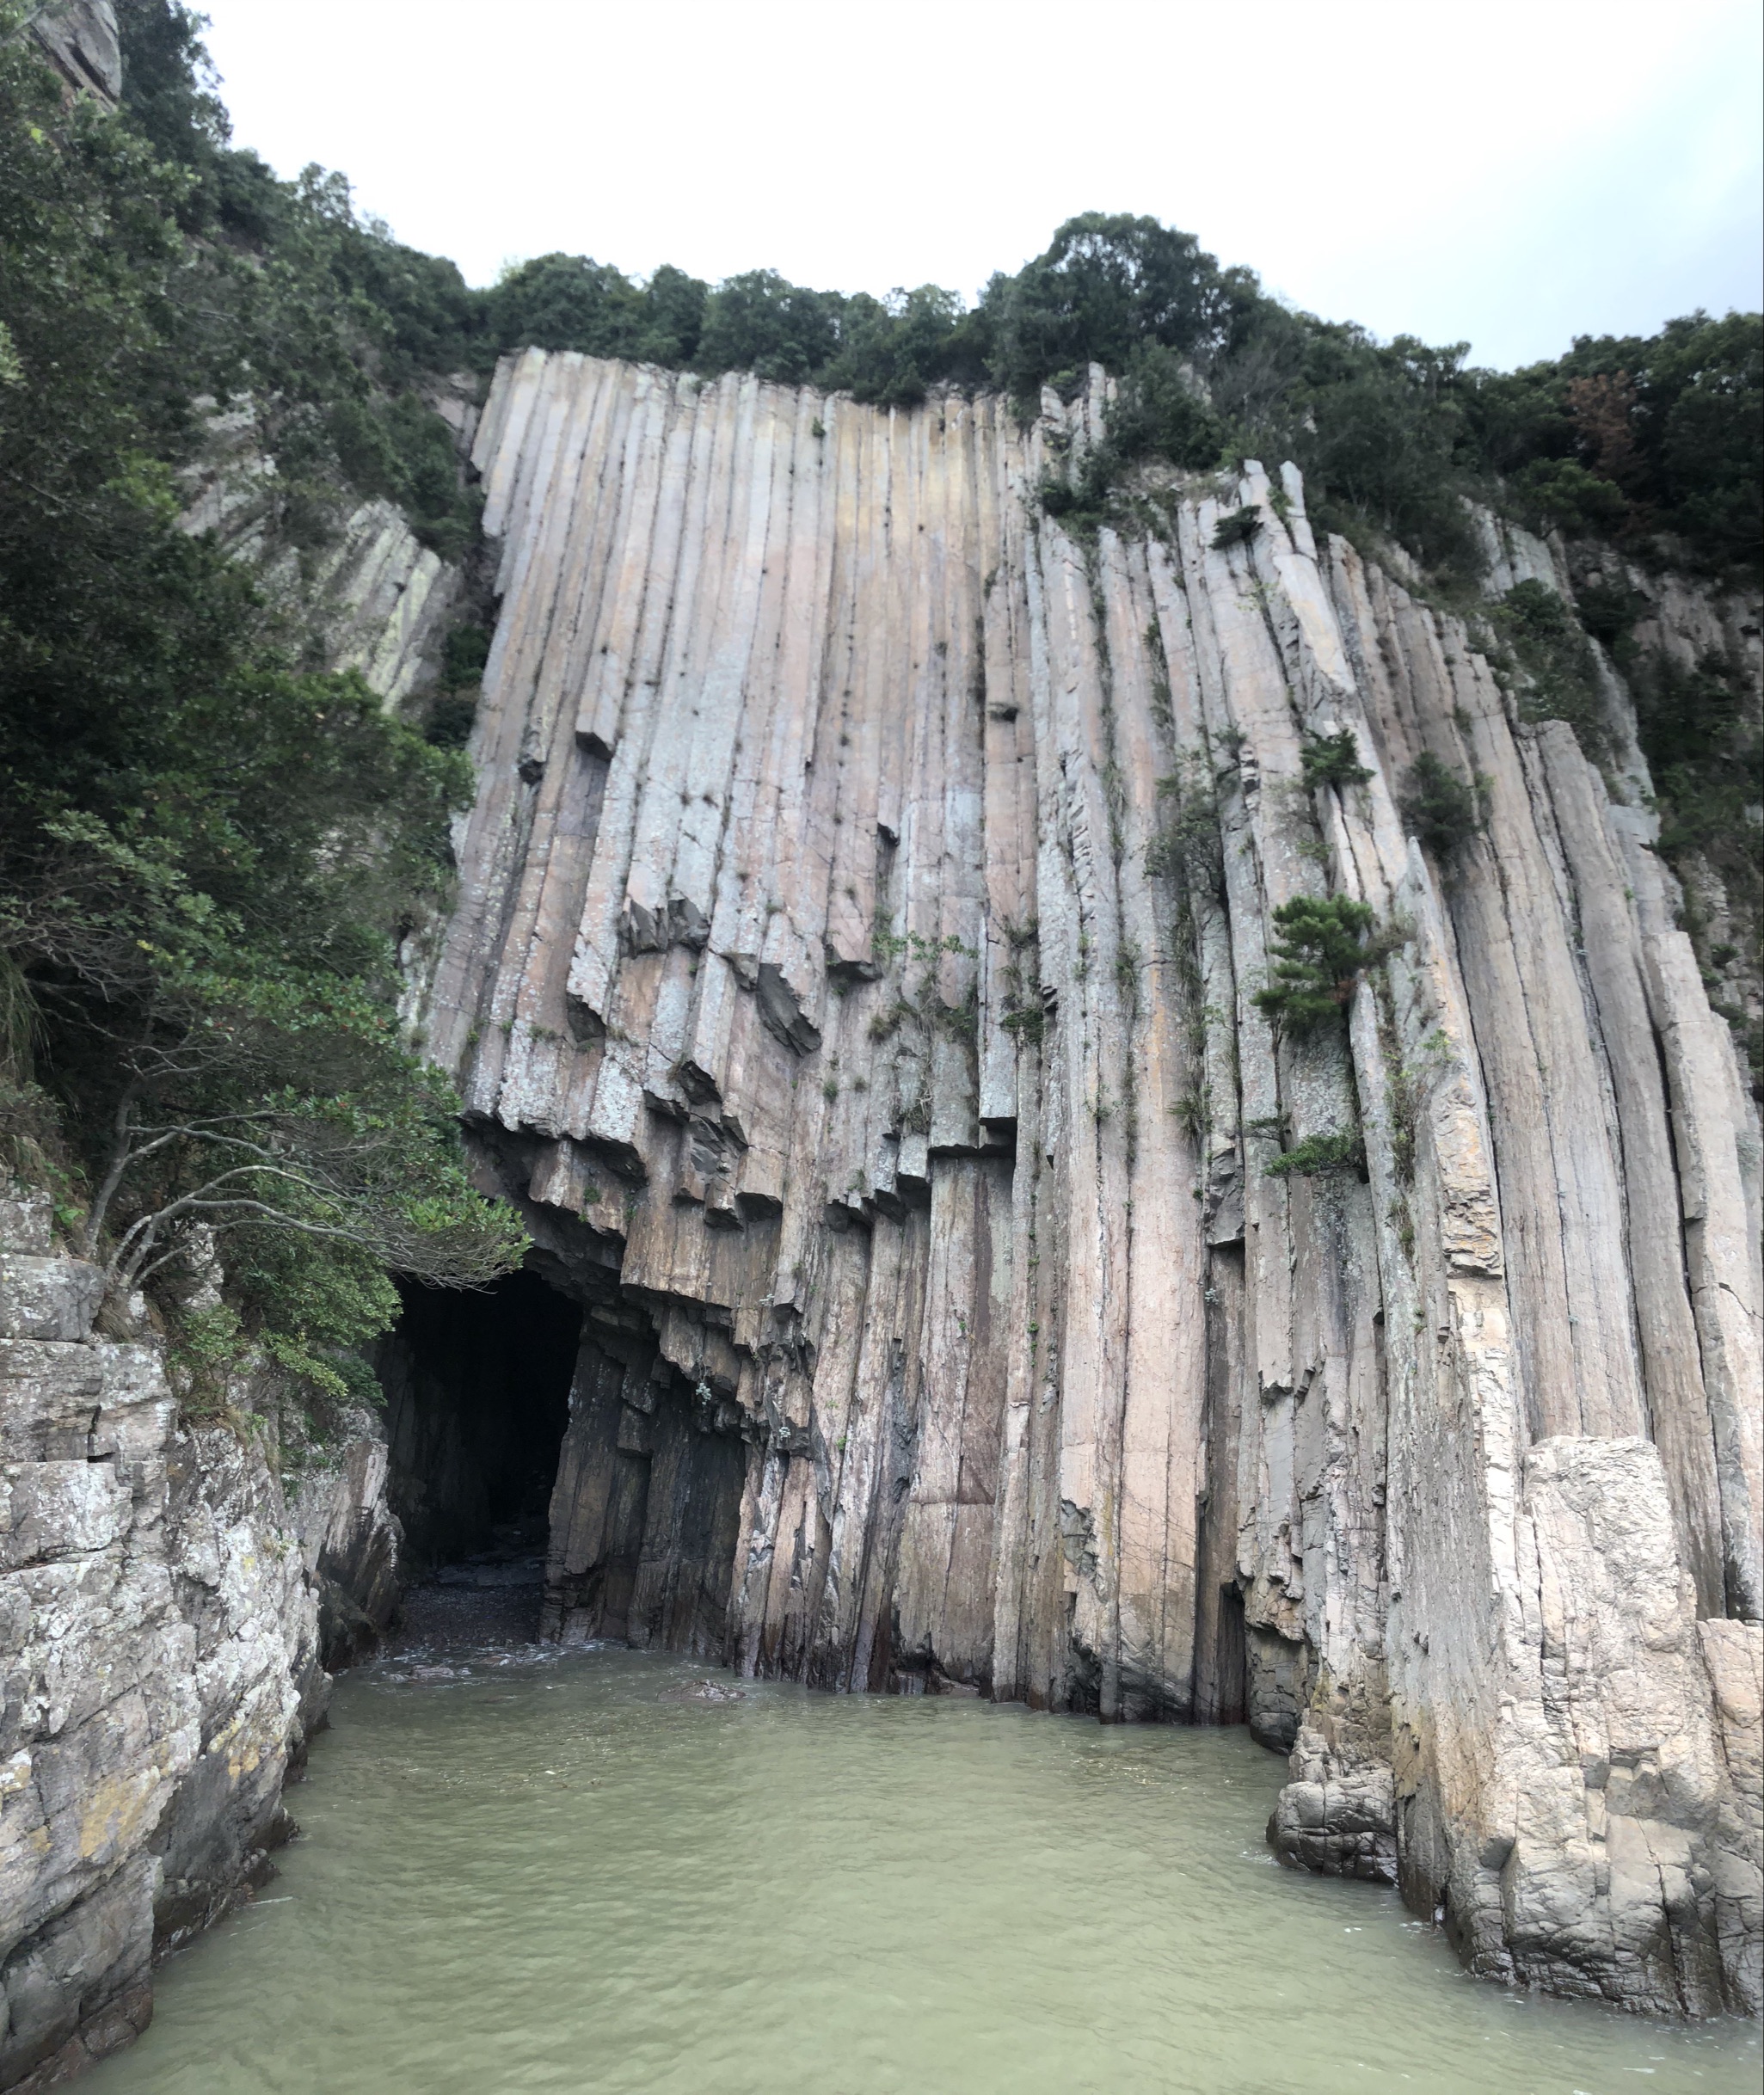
(1513, 172)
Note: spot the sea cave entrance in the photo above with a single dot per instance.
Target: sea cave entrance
(477, 1401)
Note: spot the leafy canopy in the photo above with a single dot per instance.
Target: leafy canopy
(208, 850)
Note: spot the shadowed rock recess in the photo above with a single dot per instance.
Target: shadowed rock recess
(854, 980)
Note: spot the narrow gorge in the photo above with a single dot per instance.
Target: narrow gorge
(1112, 1108)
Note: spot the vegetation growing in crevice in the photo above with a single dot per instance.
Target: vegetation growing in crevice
(1189, 849)
(1326, 944)
(1332, 760)
(1237, 528)
(1443, 811)
(1024, 1016)
(1550, 646)
(1704, 741)
(1188, 844)
(1320, 1155)
(915, 1014)
(1083, 503)
(449, 709)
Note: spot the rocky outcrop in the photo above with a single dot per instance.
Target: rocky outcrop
(162, 1589)
(79, 39)
(373, 597)
(855, 979)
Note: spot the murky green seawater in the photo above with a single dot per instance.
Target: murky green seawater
(561, 1877)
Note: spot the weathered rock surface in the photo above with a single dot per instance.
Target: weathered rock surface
(853, 979)
(79, 39)
(374, 599)
(161, 1591)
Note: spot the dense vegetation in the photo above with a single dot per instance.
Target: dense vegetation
(1627, 437)
(1634, 439)
(207, 849)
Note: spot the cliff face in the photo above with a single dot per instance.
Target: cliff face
(165, 1593)
(854, 979)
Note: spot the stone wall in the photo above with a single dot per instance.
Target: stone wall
(853, 980)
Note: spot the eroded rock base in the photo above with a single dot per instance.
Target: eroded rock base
(165, 1592)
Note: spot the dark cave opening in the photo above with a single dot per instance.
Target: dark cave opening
(477, 1399)
(1233, 1668)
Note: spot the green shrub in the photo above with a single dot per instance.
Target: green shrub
(1443, 812)
(1377, 429)
(450, 719)
(1083, 503)
(1319, 1155)
(1160, 411)
(1237, 528)
(1545, 636)
(465, 653)
(206, 1347)
(1333, 760)
(1319, 957)
(403, 449)
(1188, 844)
(1690, 716)
(1608, 610)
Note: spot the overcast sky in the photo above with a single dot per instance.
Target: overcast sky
(1511, 174)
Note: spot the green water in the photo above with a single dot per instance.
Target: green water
(565, 1876)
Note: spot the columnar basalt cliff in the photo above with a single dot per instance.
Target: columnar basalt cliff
(855, 977)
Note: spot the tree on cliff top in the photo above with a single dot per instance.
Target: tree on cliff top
(1105, 287)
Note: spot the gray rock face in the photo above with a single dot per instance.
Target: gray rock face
(160, 1603)
(79, 38)
(854, 979)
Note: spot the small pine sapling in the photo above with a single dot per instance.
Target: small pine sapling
(1317, 1156)
(1333, 760)
(1237, 528)
(1319, 957)
(1442, 810)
